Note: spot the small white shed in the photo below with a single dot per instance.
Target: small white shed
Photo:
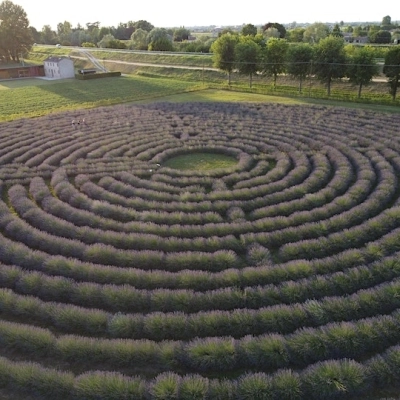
(59, 67)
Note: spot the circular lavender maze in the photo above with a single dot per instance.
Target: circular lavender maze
(120, 276)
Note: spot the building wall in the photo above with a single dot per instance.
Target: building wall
(21, 72)
(67, 69)
(60, 69)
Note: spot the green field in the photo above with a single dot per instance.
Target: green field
(35, 97)
(200, 161)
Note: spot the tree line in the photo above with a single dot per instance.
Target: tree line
(16, 35)
(327, 60)
(316, 51)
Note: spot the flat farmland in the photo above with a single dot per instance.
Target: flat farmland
(197, 249)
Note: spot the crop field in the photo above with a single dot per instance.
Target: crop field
(232, 251)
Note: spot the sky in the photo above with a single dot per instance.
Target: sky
(189, 13)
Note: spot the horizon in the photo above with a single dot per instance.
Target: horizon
(177, 14)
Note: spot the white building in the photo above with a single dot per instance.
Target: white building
(59, 67)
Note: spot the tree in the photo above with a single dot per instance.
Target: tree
(261, 40)
(360, 31)
(36, 36)
(275, 57)
(281, 29)
(362, 67)
(249, 30)
(93, 33)
(92, 25)
(391, 69)
(106, 41)
(226, 30)
(330, 60)
(299, 59)
(381, 37)
(161, 44)
(223, 50)
(295, 35)
(158, 33)
(386, 21)
(271, 33)
(142, 24)
(372, 32)
(48, 35)
(315, 32)
(64, 30)
(247, 55)
(336, 31)
(181, 34)
(139, 40)
(160, 40)
(123, 31)
(77, 37)
(104, 31)
(15, 34)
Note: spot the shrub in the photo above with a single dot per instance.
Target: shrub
(42, 382)
(258, 255)
(210, 354)
(264, 352)
(222, 389)
(109, 385)
(193, 387)
(88, 44)
(125, 326)
(30, 340)
(334, 380)
(380, 373)
(165, 386)
(287, 385)
(255, 386)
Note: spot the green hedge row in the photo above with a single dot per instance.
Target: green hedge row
(97, 75)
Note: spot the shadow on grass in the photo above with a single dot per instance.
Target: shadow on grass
(27, 82)
(115, 89)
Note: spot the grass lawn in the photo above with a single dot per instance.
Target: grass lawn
(220, 95)
(201, 161)
(36, 97)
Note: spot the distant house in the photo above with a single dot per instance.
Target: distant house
(216, 31)
(349, 38)
(59, 67)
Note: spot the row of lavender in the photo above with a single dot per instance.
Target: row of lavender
(321, 381)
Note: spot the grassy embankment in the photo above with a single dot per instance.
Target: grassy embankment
(199, 68)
